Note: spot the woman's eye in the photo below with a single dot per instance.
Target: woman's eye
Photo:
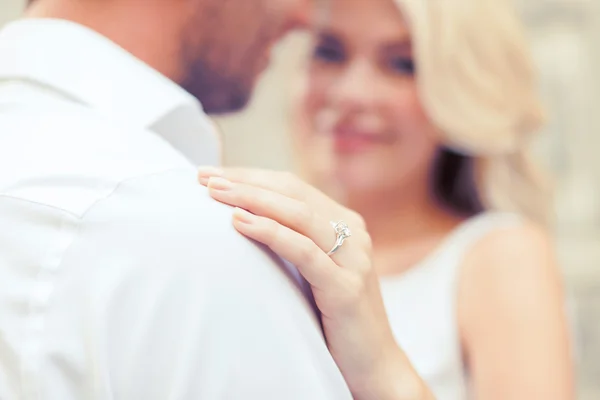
(329, 53)
(403, 65)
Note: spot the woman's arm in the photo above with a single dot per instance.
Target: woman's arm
(512, 318)
(293, 219)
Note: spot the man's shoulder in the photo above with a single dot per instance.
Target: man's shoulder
(171, 197)
(167, 225)
(169, 208)
(159, 247)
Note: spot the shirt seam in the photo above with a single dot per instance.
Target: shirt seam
(45, 282)
(106, 196)
(39, 204)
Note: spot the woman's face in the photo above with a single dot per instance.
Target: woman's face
(367, 128)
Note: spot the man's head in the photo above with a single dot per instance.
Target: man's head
(215, 49)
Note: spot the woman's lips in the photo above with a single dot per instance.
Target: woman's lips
(351, 141)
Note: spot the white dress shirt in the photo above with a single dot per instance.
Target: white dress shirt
(120, 278)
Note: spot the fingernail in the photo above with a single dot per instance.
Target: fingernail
(243, 216)
(220, 184)
(205, 173)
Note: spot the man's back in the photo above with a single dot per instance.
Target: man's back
(119, 276)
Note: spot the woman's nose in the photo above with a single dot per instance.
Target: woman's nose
(355, 87)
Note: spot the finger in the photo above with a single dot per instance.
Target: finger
(286, 184)
(314, 265)
(207, 172)
(281, 182)
(287, 211)
(293, 214)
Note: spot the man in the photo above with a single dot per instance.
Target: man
(119, 277)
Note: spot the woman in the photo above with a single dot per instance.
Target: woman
(417, 114)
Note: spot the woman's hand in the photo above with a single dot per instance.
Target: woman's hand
(294, 220)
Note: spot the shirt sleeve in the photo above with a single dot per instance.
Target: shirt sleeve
(169, 302)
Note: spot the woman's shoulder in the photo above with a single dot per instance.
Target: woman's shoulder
(491, 233)
(511, 305)
(509, 237)
(506, 269)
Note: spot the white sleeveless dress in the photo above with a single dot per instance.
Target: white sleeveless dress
(421, 307)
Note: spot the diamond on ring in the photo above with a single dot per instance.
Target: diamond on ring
(341, 229)
(342, 233)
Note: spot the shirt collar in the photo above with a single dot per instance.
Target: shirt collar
(87, 67)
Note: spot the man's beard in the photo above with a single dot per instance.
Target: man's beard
(220, 74)
(218, 91)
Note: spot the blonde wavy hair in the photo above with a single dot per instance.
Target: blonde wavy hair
(478, 86)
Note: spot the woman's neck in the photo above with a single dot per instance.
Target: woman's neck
(404, 228)
(394, 219)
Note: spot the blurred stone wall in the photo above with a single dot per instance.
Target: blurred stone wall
(566, 43)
